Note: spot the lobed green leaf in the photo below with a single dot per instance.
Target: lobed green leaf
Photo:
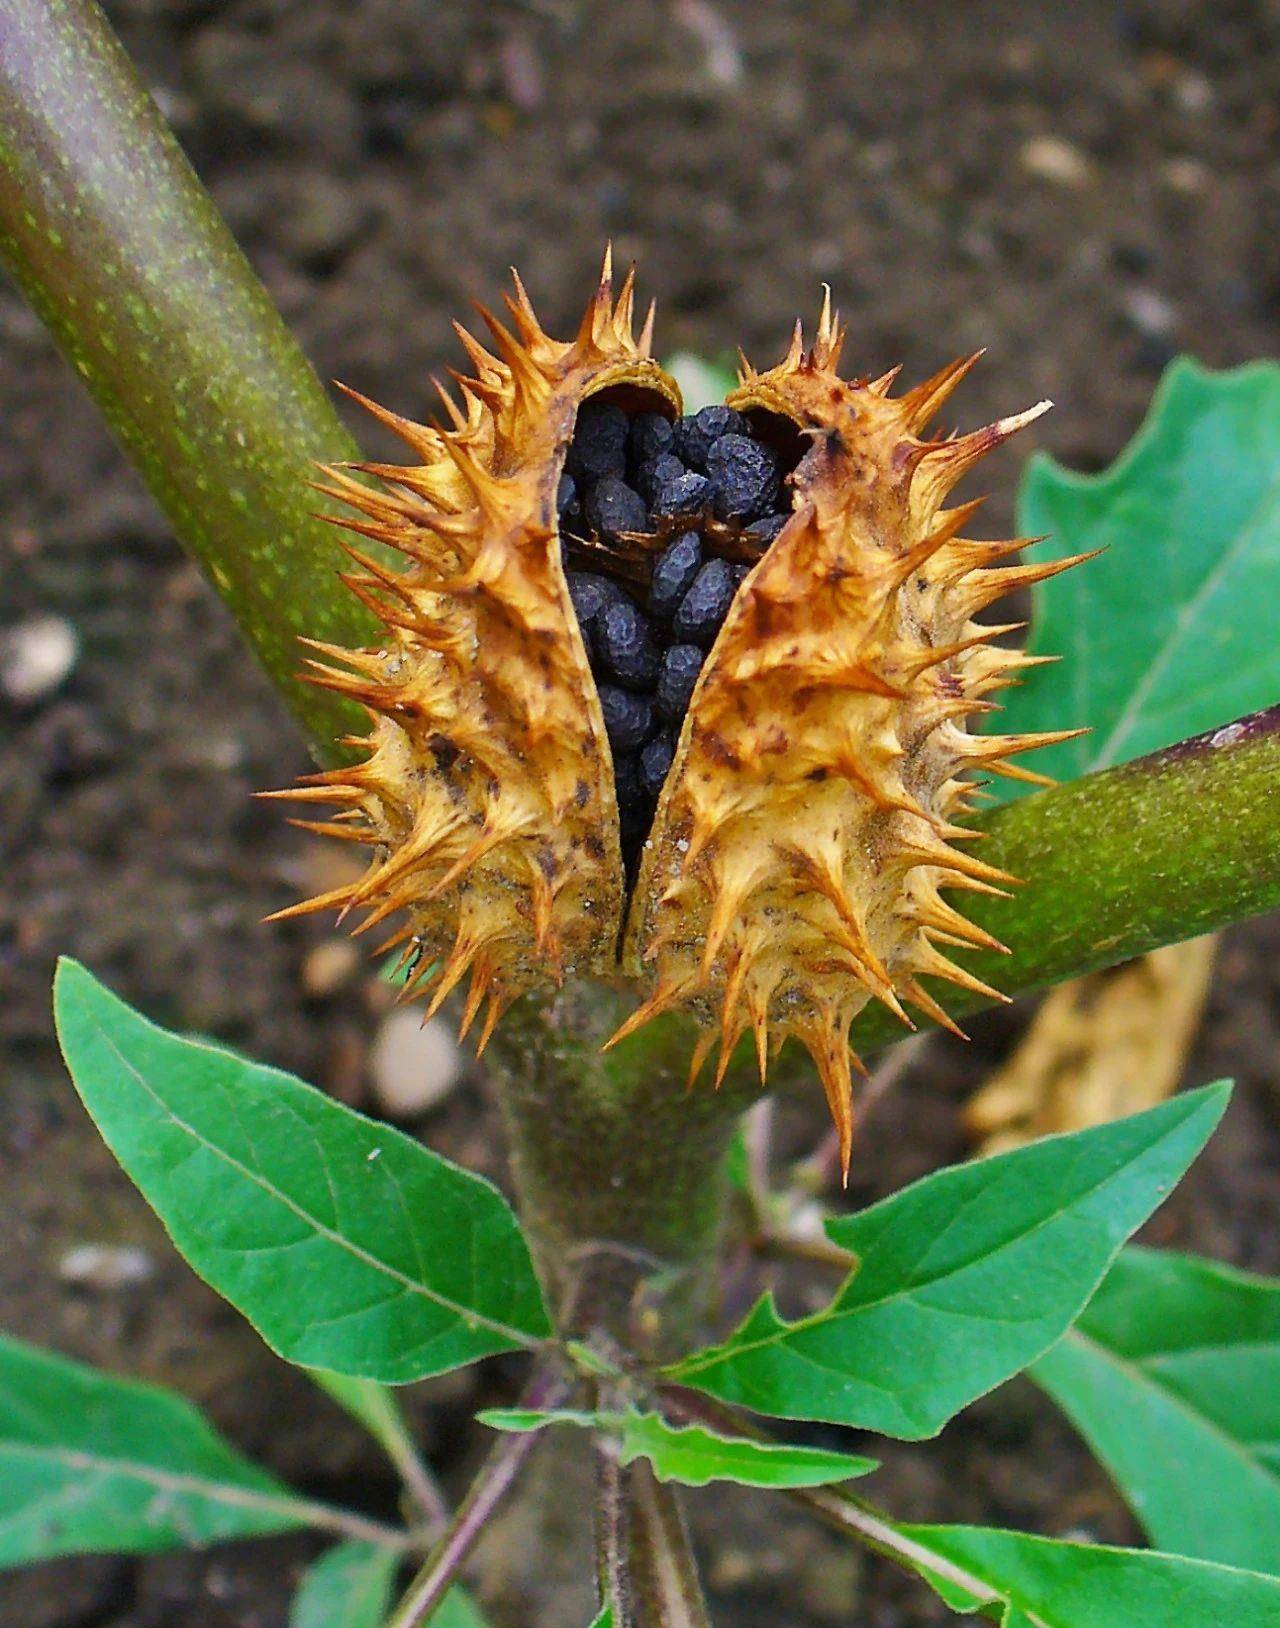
(695, 1456)
(962, 1279)
(348, 1245)
(1172, 1375)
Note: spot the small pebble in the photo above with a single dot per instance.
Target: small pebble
(703, 608)
(628, 719)
(1052, 159)
(599, 446)
(413, 1065)
(681, 664)
(673, 573)
(612, 507)
(328, 966)
(105, 1267)
(36, 658)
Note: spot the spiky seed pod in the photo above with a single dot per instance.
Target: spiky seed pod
(486, 789)
(807, 826)
(808, 823)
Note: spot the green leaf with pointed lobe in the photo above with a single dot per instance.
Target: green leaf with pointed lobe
(348, 1245)
(1172, 1375)
(1171, 632)
(94, 1464)
(1021, 1580)
(693, 1455)
(963, 1279)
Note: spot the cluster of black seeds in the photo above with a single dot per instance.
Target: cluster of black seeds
(659, 524)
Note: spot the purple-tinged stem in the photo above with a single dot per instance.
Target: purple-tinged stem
(547, 1389)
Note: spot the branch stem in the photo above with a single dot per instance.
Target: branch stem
(547, 1389)
(126, 260)
(612, 1537)
(666, 1589)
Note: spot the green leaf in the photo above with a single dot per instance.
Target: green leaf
(963, 1279)
(349, 1587)
(1050, 1584)
(604, 1620)
(1170, 632)
(702, 383)
(695, 1456)
(457, 1610)
(347, 1245)
(94, 1464)
(1172, 1375)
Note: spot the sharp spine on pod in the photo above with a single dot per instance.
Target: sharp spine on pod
(727, 659)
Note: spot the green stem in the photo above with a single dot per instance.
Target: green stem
(125, 258)
(1162, 849)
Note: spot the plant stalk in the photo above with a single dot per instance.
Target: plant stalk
(125, 259)
(547, 1389)
(612, 1533)
(666, 1589)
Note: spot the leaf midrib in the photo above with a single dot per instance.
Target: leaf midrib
(468, 1315)
(231, 1493)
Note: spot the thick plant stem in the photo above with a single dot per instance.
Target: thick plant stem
(1165, 848)
(617, 1165)
(126, 260)
(665, 1588)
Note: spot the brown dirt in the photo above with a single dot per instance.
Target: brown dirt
(381, 162)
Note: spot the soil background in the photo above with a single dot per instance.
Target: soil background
(1084, 189)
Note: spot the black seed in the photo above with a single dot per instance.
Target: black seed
(628, 719)
(628, 650)
(655, 760)
(590, 594)
(599, 445)
(566, 492)
(744, 476)
(704, 607)
(764, 531)
(695, 434)
(611, 507)
(673, 574)
(681, 664)
(650, 435)
(653, 474)
(740, 574)
(690, 494)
